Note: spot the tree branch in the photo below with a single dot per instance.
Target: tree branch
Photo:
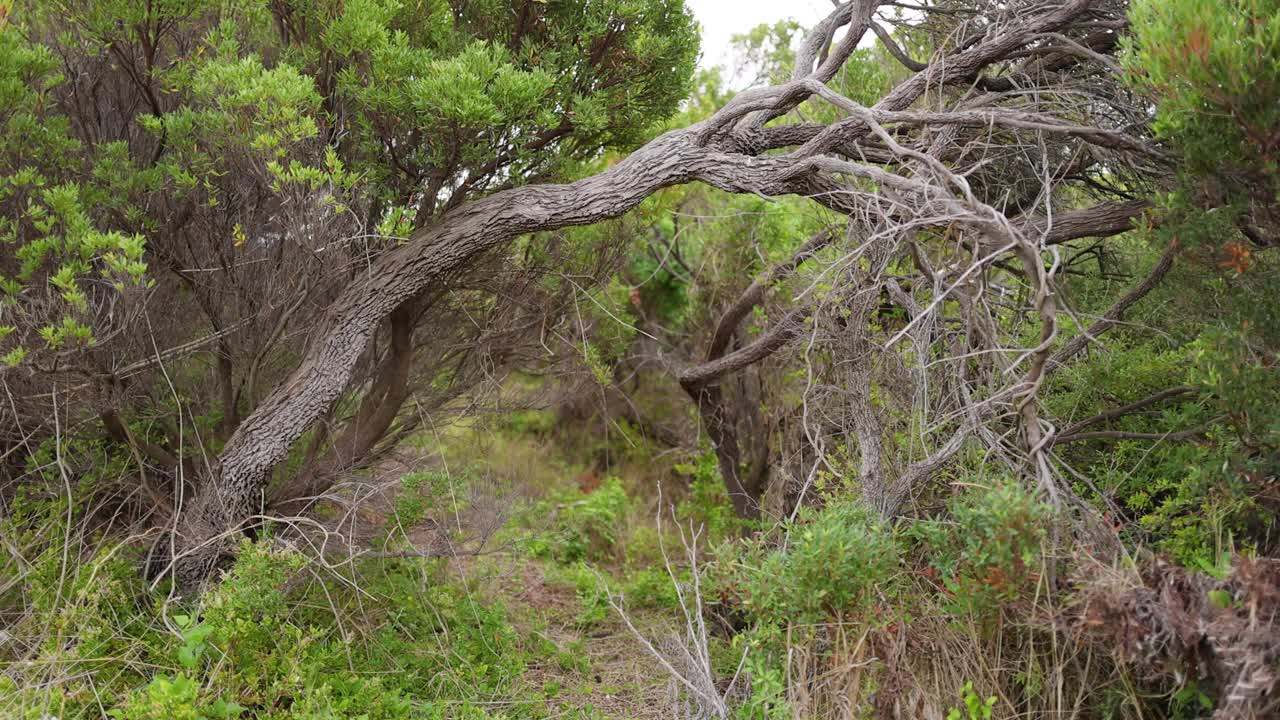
(755, 292)
(896, 50)
(1116, 312)
(1123, 410)
(1123, 435)
(780, 334)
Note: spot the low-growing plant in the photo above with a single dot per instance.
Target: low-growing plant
(974, 706)
(824, 578)
(652, 587)
(988, 548)
(175, 697)
(583, 526)
(835, 562)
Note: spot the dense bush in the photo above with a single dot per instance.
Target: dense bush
(265, 642)
(822, 582)
(834, 563)
(1212, 69)
(583, 526)
(989, 549)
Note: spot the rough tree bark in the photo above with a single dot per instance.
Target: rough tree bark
(729, 151)
(745, 486)
(378, 409)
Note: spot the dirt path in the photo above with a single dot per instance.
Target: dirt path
(578, 667)
(583, 669)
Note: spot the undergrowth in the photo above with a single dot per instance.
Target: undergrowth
(964, 613)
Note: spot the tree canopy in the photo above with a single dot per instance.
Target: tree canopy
(950, 305)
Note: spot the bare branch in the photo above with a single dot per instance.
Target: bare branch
(1123, 410)
(1116, 312)
(755, 292)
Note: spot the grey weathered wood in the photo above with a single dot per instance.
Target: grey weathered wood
(727, 152)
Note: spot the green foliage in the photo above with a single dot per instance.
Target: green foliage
(707, 502)
(353, 107)
(1191, 701)
(357, 106)
(975, 708)
(1214, 332)
(58, 247)
(834, 568)
(664, 294)
(594, 360)
(177, 697)
(248, 622)
(988, 550)
(258, 644)
(653, 587)
(424, 491)
(435, 639)
(592, 594)
(768, 51)
(529, 422)
(583, 526)
(569, 658)
(610, 315)
(1212, 68)
(833, 563)
(866, 76)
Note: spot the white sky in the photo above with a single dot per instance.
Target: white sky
(722, 19)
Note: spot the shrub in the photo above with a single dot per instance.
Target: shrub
(975, 707)
(1211, 67)
(426, 490)
(259, 644)
(652, 587)
(592, 594)
(177, 698)
(708, 501)
(832, 563)
(583, 527)
(826, 576)
(989, 549)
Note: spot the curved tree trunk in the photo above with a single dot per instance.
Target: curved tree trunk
(726, 151)
(263, 439)
(378, 409)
